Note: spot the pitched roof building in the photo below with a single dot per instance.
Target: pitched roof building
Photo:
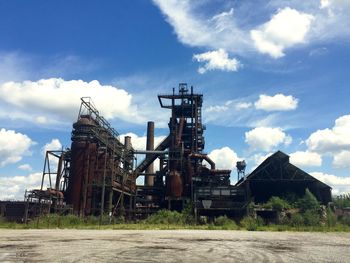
(276, 176)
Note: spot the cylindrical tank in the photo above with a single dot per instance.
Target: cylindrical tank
(80, 162)
(174, 184)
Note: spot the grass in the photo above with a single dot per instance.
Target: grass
(166, 221)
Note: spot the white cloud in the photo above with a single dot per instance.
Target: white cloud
(278, 102)
(324, 4)
(342, 159)
(139, 142)
(292, 23)
(52, 101)
(257, 159)
(54, 145)
(25, 167)
(340, 185)
(334, 4)
(14, 187)
(216, 108)
(305, 159)
(266, 138)
(193, 28)
(331, 140)
(243, 105)
(224, 158)
(13, 146)
(216, 60)
(286, 28)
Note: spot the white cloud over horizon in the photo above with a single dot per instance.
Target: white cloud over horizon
(340, 185)
(13, 188)
(13, 146)
(55, 100)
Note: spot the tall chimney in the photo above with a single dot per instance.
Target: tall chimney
(149, 179)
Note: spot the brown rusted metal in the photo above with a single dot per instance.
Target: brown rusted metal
(149, 179)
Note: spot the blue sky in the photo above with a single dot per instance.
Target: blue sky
(274, 75)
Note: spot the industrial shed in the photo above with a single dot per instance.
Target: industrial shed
(276, 176)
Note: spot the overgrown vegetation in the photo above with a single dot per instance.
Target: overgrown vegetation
(303, 214)
(342, 201)
(277, 204)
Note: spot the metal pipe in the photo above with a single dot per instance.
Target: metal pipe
(152, 152)
(204, 157)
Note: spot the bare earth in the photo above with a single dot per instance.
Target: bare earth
(171, 246)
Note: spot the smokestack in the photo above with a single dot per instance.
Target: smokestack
(149, 179)
(127, 142)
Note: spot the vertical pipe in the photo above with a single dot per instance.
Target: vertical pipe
(149, 179)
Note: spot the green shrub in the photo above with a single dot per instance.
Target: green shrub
(187, 214)
(165, 217)
(342, 201)
(308, 202)
(250, 223)
(331, 218)
(225, 222)
(296, 220)
(311, 218)
(345, 220)
(277, 204)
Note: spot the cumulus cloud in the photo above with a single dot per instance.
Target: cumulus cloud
(139, 142)
(331, 140)
(342, 159)
(13, 188)
(266, 138)
(216, 60)
(286, 28)
(13, 146)
(278, 102)
(257, 159)
(51, 101)
(224, 158)
(340, 185)
(53, 145)
(306, 159)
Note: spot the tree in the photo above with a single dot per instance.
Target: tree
(308, 202)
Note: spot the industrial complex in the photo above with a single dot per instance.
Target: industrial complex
(99, 173)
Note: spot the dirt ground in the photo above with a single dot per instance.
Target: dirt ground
(171, 246)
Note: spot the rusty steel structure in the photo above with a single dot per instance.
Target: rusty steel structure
(98, 174)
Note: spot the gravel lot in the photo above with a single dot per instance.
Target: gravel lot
(171, 246)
